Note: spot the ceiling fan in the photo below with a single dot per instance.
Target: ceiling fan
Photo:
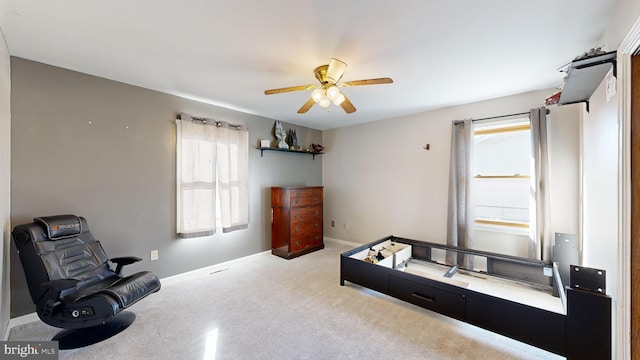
(328, 92)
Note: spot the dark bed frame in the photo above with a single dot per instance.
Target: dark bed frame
(584, 332)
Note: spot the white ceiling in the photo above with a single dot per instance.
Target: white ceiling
(225, 52)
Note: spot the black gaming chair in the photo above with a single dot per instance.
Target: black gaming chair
(71, 282)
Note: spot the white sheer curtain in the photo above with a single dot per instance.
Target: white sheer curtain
(233, 176)
(539, 234)
(460, 217)
(211, 161)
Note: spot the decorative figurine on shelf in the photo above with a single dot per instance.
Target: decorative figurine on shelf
(293, 140)
(317, 147)
(281, 135)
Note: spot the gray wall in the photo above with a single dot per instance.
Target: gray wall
(379, 190)
(106, 151)
(5, 183)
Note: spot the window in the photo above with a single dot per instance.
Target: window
(212, 187)
(502, 169)
(498, 183)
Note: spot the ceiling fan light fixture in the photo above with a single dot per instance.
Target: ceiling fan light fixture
(317, 95)
(335, 70)
(333, 92)
(324, 102)
(328, 90)
(339, 99)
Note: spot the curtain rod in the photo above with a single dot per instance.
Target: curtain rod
(494, 117)
(204, 121)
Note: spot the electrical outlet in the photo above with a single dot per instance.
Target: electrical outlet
(345, 226)
(333, 223)
(154, 255)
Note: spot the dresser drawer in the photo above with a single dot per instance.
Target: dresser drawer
(306, 214)
(305, 201)
(306, 228)
(429, 297)
(305, 241)
(307, 192)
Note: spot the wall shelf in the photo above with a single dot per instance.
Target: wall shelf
(313, 153)
(584, 76)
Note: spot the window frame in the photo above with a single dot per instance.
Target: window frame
(498, 225)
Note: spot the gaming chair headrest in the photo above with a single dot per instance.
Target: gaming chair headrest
(61, 226)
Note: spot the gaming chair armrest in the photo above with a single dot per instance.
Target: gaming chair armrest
(52, 294)
(122, 261)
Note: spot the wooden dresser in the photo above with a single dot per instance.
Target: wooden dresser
(296, 220)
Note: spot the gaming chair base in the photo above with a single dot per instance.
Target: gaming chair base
(77, 338)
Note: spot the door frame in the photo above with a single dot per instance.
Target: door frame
(624, 323)
(635, 209)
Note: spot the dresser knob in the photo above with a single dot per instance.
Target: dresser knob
(297, 243)
(316, 225)
(297, 229)
(316, 199)
(317, 213)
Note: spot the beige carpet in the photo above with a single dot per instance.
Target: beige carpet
(265, 307)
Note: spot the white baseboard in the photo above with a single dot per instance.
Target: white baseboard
(20, 320)
(343, 242)
(211, 268)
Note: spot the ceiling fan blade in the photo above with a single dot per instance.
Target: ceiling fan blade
(367, 82)
(306, 106)
(335, 70)
(347, 106)
(288, 89)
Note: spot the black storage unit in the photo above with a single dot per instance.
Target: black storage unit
(445, 300)
(584, 331)
(588, 325)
